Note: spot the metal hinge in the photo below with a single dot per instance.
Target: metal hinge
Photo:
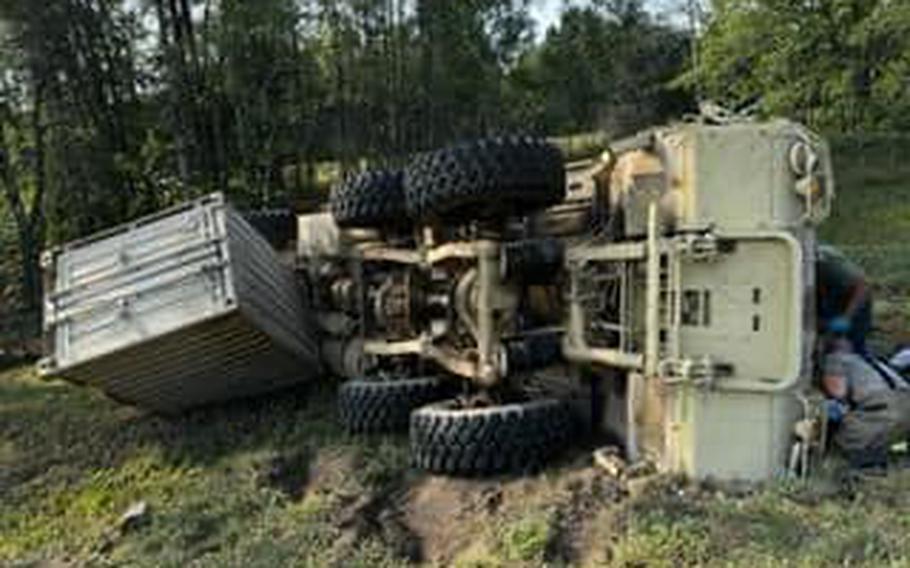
(699, 371)
(698, 248)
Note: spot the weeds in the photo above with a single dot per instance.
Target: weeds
(526, 539)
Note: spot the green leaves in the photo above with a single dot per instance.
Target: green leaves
(605, 66)
(839, 65)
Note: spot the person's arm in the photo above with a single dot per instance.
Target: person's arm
(843, 322)
(837, 271)
(834, 386)
(857, 297)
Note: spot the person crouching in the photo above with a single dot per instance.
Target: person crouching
(869, 410)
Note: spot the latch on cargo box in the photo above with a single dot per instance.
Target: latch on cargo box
(698, 248)
(700, 371)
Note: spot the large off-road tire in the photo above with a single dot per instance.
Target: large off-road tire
(513, 438)
(486, 179)
(372, 407)
(371, 199)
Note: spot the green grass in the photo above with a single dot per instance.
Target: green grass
(273, 482)
(871, 218)
(225, 486)
(871, 224)
(526, 539)
(781, 526)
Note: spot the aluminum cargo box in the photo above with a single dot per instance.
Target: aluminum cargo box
(183, 308)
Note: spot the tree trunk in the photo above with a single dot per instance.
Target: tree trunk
(30, 218)
(37, 221)
(172, 69)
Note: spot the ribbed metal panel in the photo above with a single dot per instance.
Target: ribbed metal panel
(187, 307)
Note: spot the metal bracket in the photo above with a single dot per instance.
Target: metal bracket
(699, 371)
(698, 248)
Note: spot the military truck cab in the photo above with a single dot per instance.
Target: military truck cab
(712, 279)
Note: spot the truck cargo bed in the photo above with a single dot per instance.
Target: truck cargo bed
(182, 308)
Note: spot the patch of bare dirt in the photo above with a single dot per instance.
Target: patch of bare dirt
(448, 515)
(433, 520)
(445, 513)
(583, 496)
(330, 470)
(362, 513)
(380, 516)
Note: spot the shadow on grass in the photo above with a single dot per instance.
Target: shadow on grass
(267, 481)
(76, 431)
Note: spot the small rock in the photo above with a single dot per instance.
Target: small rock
(133, 517)
(288, 473)
(610, 461)
(637, 487)
(642, 468)
(492, 499)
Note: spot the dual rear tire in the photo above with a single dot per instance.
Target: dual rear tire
(486, 179)
(372, 199)
(385, 407)
(509, 439)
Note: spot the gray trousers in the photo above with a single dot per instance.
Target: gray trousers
(877, 422)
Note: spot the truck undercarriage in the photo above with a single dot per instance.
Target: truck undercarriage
(677, 265)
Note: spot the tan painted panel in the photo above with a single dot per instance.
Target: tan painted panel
(730, 177)
(318, 236)
(729, 435)
(743, 311)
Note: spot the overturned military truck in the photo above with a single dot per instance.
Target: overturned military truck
(492, 300)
